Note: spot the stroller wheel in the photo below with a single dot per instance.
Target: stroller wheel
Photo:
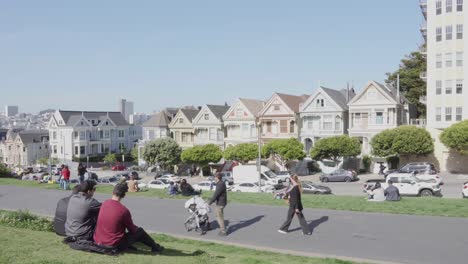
(187, 227)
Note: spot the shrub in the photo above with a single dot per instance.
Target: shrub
(4, 171)
(455, 137)
(24, 219)
(407, 140)
(366, 162)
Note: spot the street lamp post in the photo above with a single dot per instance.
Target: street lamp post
(259, 162)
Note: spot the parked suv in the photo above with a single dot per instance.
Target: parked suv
(417, 167)
(409, 185)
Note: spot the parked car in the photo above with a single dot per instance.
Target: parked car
(226, 179)
(339, 175)
(432, 178)
(312, 188)
(108, 180)
(118, 167)
(205, 186)
(252, 187)
(157, 184)
(170, 177)
(56, 170)
(417, 167)
(465, 190)
(410, 185)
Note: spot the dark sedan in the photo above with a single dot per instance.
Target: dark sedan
(339, 176)
(312, 188)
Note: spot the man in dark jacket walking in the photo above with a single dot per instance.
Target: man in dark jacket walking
(220, 196)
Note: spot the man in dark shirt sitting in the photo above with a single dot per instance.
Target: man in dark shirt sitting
(392, 193)
(114, 218)
(82, 213)
(61, 213)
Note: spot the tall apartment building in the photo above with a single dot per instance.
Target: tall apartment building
(11, 110)
(447, 94)
(126, 108)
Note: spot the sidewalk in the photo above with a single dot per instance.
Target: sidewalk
(340, 234)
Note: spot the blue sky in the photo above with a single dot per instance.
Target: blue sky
(85, 55)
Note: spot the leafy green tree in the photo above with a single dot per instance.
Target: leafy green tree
(4, 171)
(202, 155)
(403, 140)
(134, 153)
(455, 137)
(45, 161)
(242, 153)
(110, 158)
(164, 151)
(411, 85)
(284, 150)
(335, 147)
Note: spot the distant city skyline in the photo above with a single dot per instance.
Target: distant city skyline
(86, 55)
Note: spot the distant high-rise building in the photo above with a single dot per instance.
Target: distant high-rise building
(126, 108)
(11, 110)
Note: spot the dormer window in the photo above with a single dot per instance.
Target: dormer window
(207, 117)
(320, 103)
(371, 94)
(81, 122)
(276, 107)
(240, 112)
(181, 121)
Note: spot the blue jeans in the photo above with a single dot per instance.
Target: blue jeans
(66, 184)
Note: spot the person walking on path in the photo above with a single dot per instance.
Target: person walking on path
(113, 221)
(295, 208)
(220, 196)
(65, 178)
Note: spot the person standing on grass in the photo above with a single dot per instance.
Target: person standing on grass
(81, 172)
(220, 196)
(82, 213)
(65, 172)
(295, 208)
(113, 221)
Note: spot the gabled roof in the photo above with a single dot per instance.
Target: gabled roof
(33, 136)
(389, 91)
(293, 101)
(72, 117)
(254, 106)
(218, 110)
(340, 97)
(157, 120)
(190, 114)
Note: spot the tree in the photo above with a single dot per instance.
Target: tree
(110, 158)
(4, 171)
(455, 137)
(335, 147)
(411, 85)
(403, 140)
(242, 152)
(202, 155)
(45, 161)
(164, 151)
(134, 153)
(284, 150)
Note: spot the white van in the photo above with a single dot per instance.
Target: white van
(249, 173)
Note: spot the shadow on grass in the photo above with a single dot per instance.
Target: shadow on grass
(313, 224)
(170, 252)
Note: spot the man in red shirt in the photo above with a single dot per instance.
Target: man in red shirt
(66, 177)
(114, 218)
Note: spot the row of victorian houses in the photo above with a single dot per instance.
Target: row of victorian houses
(327, 112)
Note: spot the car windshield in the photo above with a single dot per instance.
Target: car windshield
(270, 174)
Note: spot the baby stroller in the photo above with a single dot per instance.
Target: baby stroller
(198, 218)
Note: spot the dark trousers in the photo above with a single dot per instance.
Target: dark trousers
(300, 216)
(139, 236)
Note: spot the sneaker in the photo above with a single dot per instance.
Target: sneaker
(282, 231)
(307, 234)
(222, 233)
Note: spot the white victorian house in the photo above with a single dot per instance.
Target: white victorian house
(209, 126)
(324, 114)
(240, 122)
(24, 147)
(181, 127)
(77, 134)
(376, 108)
(279, 117)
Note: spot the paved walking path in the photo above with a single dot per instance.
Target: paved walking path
(351, 235)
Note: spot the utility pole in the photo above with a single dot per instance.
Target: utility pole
(259, 162)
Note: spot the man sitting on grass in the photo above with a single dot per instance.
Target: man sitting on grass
(114, 218)
(392, 193)
(61, 213)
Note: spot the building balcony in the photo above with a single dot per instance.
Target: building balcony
(423, 6)
(423, 76)
(418, 122)
(423, 30)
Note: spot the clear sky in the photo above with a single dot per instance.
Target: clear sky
(85, 55)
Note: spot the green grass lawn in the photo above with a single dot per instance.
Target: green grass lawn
(408, 205)
(19, 244)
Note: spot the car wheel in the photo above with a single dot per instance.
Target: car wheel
(348, 179)
(324, 179)
(425, 192)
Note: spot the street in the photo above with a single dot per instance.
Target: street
(371, 237)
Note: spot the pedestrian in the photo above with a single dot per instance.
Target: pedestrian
(381, 169)
(132, 184)
(82, 213)
(81, 172)
(220, 196)
(392, 193)
(65, 172)
(295, 208)
(113, 221)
